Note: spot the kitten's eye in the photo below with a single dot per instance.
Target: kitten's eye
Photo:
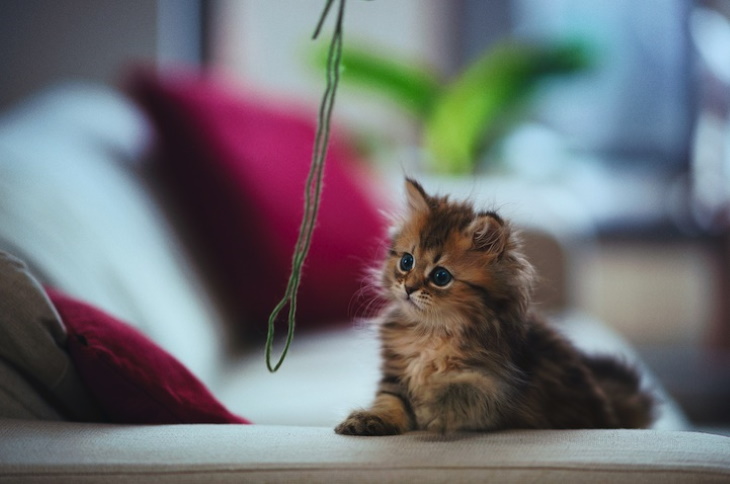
(441, 276)
(406, 262)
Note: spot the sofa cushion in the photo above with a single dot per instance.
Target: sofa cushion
(133, 379)
(40, 452)
(237, 168)
(37, 378)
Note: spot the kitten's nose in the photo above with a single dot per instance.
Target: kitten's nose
(410, 289)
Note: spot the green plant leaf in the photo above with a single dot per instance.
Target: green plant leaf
(412, 87)
(478, 105)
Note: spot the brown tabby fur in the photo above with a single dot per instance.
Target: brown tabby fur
(471, 355)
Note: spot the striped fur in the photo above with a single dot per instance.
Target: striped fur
(470, 354)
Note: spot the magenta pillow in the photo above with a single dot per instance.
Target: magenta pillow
(237, 168)
(133, 379)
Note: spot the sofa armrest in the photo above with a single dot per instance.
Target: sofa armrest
(70, 452)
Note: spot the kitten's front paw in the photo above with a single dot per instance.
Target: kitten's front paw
(366, 423)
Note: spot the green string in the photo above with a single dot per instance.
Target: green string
(313, 187)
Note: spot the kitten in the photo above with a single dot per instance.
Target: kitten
(461, 348)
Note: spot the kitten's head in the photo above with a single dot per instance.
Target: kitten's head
(448, 264)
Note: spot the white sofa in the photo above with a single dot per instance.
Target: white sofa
(74, 210)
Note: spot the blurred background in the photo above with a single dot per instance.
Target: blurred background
(618, 110)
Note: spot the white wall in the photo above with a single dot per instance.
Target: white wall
(267, 45)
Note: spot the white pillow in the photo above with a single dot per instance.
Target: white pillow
(71, 207)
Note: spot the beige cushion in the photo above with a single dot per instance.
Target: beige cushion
(19, 399)
(62, 452)
(37, 377)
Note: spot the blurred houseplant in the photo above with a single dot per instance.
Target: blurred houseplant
(464, 118)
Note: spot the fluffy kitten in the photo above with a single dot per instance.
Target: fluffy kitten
(461, 349)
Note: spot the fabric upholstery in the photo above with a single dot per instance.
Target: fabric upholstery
(19, 398)
(132, 378)
(37, 377)
(32, 452)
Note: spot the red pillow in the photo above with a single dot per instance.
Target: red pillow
(133, 379)
(237, 169)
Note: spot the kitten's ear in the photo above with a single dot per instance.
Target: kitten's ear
(416, 197)
(489, 233)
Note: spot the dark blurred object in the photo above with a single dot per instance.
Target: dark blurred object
(44, 42)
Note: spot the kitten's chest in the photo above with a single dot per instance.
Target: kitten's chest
(423, 358)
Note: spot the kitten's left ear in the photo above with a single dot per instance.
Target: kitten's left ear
(489, 233)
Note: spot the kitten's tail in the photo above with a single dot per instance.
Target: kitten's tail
(621, 383)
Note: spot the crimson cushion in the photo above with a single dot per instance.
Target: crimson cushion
(133, 379)
(237, 168)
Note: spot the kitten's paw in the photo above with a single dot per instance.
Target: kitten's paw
(366, 423)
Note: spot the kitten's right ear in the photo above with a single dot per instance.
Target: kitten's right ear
(489, 233)
(416, 197)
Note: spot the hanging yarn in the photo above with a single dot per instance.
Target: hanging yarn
(313, 187)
